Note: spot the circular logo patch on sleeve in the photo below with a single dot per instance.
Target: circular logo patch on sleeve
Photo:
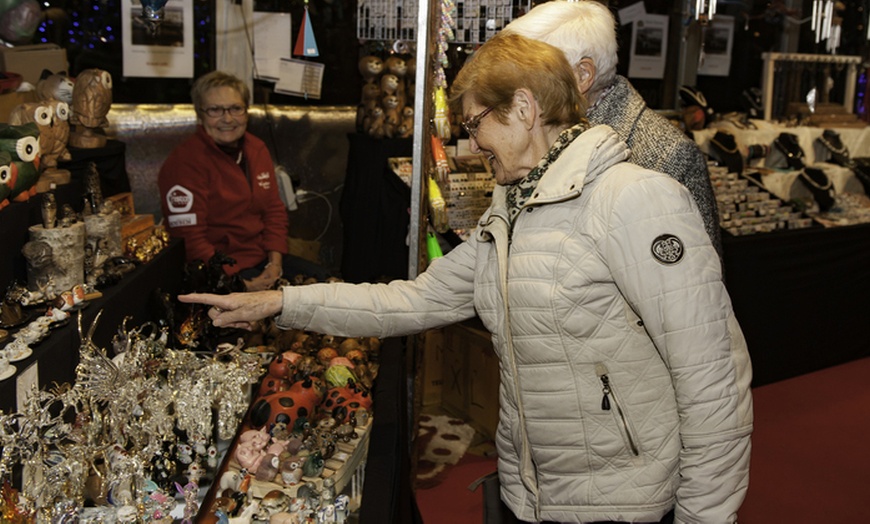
(667, 249)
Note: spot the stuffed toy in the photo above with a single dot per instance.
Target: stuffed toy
(370, 67)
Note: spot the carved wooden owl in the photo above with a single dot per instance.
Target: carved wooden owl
(52, 119)
(22, 144)
(92, 98)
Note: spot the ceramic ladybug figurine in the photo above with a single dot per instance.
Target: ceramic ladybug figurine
(271, 385)
(282, 367)
(341, 402)
(298, 402)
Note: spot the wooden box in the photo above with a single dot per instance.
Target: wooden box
(132, 225)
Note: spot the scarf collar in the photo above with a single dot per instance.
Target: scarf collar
(518, 194)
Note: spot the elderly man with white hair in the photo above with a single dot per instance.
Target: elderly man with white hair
(586, 32)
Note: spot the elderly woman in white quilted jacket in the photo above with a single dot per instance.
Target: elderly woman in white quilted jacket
(625, 377)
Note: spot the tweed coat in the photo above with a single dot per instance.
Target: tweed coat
(624, 376)
(657, 144)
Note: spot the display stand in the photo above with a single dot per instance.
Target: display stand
(770, 86)
(56, 357)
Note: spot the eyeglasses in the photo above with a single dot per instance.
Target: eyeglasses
(470, 126)
(219, 111)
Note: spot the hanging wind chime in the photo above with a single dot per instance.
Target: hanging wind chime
(306, 45)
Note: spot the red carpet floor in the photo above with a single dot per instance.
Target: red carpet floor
(810, 456)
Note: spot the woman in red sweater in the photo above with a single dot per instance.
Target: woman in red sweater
(219, 192)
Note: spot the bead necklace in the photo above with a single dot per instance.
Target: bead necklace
(831, 147)
(809, 179)
(731, 150)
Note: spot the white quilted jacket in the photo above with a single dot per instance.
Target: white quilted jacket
(624, 374)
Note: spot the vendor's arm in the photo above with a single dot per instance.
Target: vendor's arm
(184, 199)
(681, 298)
(271, 273)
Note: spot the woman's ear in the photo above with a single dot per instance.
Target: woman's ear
(584, 73)
(526, 107)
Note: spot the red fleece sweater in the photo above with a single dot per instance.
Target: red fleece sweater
(209, 202)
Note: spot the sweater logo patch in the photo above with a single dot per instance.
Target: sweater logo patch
(263, 180)
(179, 199)
(667, 249)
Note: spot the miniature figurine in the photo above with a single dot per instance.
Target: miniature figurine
(92, 99)
(51, 118)
(49, 211)
(55, 86)
(191, 506)
(21, 142)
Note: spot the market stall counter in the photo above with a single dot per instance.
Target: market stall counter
(800, 297)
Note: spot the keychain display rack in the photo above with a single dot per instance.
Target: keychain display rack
(788, 78)
(476, 20)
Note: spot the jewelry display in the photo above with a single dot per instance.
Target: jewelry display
(833, 145)
(755, 151)
(804, 86)
(787, 144)
(746, 207)
(724, 147)
(820, 185)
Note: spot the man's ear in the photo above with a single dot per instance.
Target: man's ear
(526, 107)
(584, 72)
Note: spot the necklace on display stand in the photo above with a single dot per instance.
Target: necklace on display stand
(820, 185)
(831, 141)
(788, 144)
(725, 148)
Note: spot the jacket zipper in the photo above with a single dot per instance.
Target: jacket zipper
(610, 397)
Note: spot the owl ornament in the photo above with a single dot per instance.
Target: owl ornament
(92, 99)
(52, 119)
(21, 143)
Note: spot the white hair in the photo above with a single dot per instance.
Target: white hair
(584, 28)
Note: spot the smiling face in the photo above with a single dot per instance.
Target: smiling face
(505, 145)
(226, 130)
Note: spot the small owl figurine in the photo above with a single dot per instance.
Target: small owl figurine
(52, 119)
(92, 99)
(22, 144)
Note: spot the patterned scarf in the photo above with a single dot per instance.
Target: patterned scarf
(519, 193)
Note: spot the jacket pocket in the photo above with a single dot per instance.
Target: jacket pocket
(610, 402)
